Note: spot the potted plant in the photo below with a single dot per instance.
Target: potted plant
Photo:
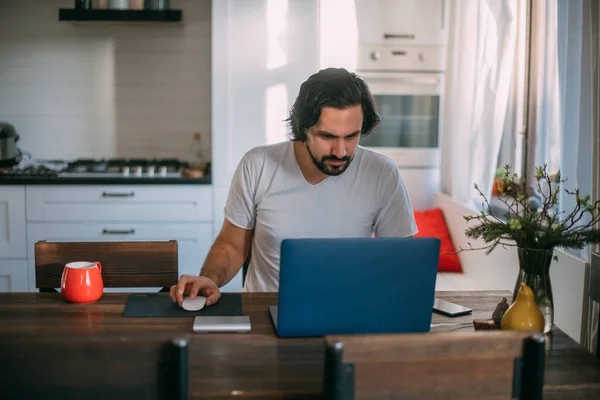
(534, 225)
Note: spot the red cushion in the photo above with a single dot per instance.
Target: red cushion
(431, 223)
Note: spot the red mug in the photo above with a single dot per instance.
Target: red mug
(82, 282)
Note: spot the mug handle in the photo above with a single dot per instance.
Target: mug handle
(98, 265)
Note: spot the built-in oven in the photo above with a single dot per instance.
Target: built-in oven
(407, 85)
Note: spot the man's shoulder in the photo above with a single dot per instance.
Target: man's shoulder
(259, 154)
(263, 159)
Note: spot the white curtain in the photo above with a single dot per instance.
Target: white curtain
(481, 52)
(547, 142)
(577, 34)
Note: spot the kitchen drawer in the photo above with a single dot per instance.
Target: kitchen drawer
(119, 203)
(13, 275)
(12, 222)
(194, 239)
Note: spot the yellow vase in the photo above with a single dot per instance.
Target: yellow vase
(523, 314)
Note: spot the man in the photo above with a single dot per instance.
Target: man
(319, 184)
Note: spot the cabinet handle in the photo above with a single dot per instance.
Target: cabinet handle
(398, 35)
(108, 194)
(118, 231)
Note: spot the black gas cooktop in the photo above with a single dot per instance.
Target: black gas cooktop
(101, 168)
(122, 167)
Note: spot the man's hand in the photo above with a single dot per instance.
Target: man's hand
(193, 286)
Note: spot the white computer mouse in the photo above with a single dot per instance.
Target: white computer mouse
(196, 304)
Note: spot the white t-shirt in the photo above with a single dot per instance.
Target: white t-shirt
(270, 195)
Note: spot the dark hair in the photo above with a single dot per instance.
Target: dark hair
(330, 87)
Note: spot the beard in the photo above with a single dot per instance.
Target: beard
(326, 168)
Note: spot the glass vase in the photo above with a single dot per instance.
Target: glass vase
(534, 270)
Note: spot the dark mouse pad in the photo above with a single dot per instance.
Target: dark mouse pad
(161, 305)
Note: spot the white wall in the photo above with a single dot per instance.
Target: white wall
(338, 34)
(105, 89)
(262, 51)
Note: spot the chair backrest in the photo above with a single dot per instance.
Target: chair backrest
(123, 365)
(246, 264)
(124, 264)
(486, 365)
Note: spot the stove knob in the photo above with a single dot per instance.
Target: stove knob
(150, 170)
(163, 171)
(138, 171)
(125, 171)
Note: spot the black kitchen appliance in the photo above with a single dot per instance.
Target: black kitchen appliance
(9, 152)
(89, 168)
(124, 168)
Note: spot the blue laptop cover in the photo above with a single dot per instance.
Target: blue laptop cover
(356, 285)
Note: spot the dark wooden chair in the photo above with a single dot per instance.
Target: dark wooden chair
(245, 269)
(452, 365)
(246, 264)
(120, 365)
(595, 292)
(124, 264)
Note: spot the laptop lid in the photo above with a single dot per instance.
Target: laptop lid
(356, 285)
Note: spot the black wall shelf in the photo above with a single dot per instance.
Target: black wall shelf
(70, 14)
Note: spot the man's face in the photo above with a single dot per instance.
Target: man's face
(333, 140)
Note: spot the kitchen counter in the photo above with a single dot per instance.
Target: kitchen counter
(103, 172)
(50, 180)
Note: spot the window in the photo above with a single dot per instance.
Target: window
(532, 130)
(550, 116)
(532, 134)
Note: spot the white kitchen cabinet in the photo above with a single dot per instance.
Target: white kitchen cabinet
(122, 213)
(12, 222)
(13, 275)
(402, 22)
(119, 203)
(193, 238)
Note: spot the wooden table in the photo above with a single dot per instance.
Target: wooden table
(43, 338)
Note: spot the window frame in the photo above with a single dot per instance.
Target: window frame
(521, 132)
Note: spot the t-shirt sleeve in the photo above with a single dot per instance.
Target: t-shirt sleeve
(395, 217)
(240, 208)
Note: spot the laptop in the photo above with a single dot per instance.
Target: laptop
(333, 286)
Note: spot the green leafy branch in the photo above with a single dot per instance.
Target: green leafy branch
(532, 226)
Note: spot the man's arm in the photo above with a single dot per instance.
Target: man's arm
(223, 261)
(395, 218)
(229, 251)
(227, 254)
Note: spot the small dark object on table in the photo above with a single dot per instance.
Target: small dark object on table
(494, 323)
(499, 311)
(485, 325)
